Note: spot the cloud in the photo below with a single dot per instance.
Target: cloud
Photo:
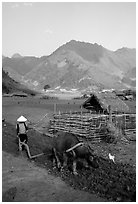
(15, 5)
(28, 4)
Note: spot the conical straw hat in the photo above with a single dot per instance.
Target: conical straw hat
(21, 119)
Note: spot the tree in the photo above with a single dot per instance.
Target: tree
(46, 87)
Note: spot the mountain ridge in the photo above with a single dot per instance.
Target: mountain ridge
(75, 64)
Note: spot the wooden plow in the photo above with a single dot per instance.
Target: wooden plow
(28, 151)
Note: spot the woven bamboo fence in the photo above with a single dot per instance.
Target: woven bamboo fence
(89, 126)
(83, 125)
(126, 122)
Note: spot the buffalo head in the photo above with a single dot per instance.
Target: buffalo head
(87, 153)
(92, 161)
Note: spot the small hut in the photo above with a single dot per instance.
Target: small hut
(104, 101)
(120, 94)
(19, 94)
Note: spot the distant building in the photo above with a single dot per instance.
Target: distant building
(129, 97)
(19, 94)
(125, 94)
(6, 95)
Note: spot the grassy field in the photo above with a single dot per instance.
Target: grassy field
(116, 182)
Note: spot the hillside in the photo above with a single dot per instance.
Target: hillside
(9, 85)
(75, 65)
(130, 77)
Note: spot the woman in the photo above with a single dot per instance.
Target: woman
(22, 129)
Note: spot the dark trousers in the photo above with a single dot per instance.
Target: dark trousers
(23, 138)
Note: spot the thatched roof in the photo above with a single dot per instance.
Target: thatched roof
(106, 99)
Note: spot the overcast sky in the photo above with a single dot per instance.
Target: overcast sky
(40, 28)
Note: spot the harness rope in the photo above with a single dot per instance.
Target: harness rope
(35, 128)
(40, 120)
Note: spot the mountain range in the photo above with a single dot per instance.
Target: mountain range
(75, 65)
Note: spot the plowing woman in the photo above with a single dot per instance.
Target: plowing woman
(21, 129)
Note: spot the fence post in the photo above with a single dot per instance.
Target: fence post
(116, 118)
(99, 118)
(81, 110)
(110, 114)
(54, 108)
(70, 120)
(125, 121)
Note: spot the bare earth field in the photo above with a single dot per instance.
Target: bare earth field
(35, 180)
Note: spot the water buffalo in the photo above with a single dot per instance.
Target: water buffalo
(67, 143)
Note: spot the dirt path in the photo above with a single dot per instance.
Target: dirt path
(22, 181)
